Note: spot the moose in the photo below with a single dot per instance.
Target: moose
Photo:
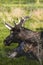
(30, 43)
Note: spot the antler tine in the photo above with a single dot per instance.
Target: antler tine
(9, 26)
(26, 17)
(21, 21)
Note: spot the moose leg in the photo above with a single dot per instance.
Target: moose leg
(36, 53)
(16, 54)
(39, 53)
(17, 51)
(13, 55)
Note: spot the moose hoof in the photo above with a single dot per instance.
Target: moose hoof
(13, 55)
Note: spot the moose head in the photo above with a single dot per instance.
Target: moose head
(15, 32)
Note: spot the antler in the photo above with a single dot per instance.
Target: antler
(22, 20)
(17, 25)
(9, 26)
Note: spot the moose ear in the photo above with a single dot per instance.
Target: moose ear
(8, 26)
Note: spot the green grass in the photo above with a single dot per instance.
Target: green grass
(17, 1)
(4, 32)
(35, 5)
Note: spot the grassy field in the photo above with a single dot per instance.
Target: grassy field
(4, 60)
(10, 13)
